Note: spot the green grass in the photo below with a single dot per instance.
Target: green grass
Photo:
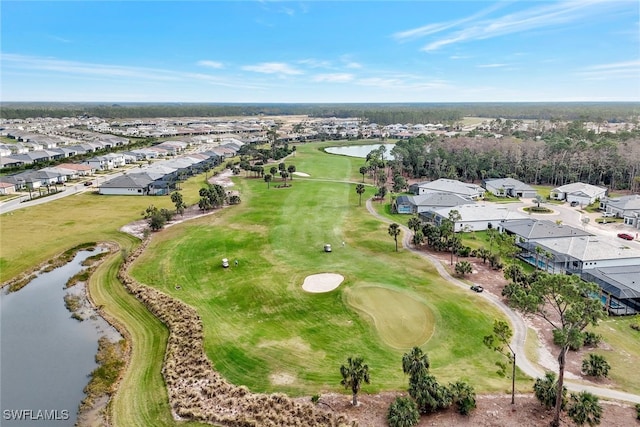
(259, 322)
(621, 348)
(141, 399)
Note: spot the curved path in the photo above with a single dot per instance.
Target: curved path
(519, 327)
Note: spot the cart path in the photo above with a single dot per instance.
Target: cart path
(519, 327)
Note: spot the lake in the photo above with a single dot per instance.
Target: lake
(360, 150)
(46, 356)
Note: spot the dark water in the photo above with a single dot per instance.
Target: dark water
(45, 355)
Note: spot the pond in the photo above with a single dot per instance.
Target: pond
(46, 354)
(360, 150)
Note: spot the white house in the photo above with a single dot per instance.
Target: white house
(475, 217)
(443, 185)
(577, 254)
(585, 194)
(627, 207)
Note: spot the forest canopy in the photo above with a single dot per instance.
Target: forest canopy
(380, 113)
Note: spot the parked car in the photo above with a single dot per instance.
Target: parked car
(477, 288)
(574, 203)
(608, 214)
(88, 183)
(625, 236)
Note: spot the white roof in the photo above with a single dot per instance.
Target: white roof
(580, 187)
(590, 248)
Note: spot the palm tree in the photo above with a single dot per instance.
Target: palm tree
(394, 231)
(584, 408)
(363, 171)
(596, 366)
(353, 375)
(415, 363)
(284, 175)
(414, 223)
(463, 267)
(267, 179)
(539, 252)
(291, 169)
(360, 190)
(273, 170)
(403, 412)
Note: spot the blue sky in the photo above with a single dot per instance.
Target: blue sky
(320, 51)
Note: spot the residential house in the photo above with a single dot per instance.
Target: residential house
(80, 169)
(575, 255)
(509, 187)
(7, 188)
(620, 287)
(127, 185)
(473, 217)
(584, 194)
(626, 207)
(407, 204)
(443, 185)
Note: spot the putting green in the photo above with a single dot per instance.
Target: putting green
(401, 320)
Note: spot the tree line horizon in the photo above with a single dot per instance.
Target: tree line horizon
(379, 113)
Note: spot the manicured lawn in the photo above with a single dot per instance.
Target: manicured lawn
(622, 350)
(261, 327)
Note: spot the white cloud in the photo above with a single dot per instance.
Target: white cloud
(333, 78)
(492, 65)
(315, 63)
(30, 63)
(472, 28)
(211, 64)
(272, 68)
(616, 70)
(437, 28)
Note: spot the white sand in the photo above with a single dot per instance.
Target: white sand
(324, 282)
(301, 174)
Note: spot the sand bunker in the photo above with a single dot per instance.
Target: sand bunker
(324, 282)
(301, 174)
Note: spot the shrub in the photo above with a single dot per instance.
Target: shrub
(584, 408)
(545, 390)
(464, 251)
(595, 366)
(638, 411)
(428, 394)
(403, 412)
(464, 397)
(592, 339)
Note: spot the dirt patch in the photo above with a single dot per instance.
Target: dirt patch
(491, 411)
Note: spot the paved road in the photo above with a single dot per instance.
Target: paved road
(573, 216)
(69, 190)
(519, 327)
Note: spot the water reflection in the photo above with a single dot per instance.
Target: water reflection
(45, 355)
(360, 150)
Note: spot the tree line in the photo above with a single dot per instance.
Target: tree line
(554, 157)
(380, 113)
